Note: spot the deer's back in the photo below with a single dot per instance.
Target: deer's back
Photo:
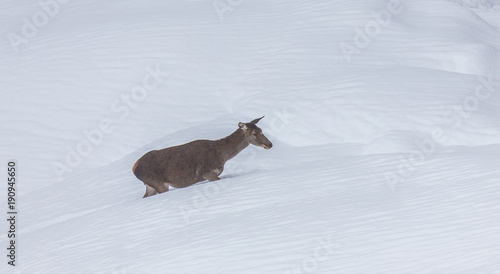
(180, 166)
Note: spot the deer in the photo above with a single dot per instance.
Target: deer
(184, 165)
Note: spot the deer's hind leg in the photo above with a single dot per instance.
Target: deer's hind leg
(153, 188)
(149, 191)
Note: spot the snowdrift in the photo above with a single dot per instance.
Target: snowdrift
(383, 116)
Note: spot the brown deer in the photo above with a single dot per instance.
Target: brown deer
(184, 165)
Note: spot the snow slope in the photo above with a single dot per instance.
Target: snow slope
(383, 115)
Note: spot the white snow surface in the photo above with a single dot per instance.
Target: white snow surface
(384, 116)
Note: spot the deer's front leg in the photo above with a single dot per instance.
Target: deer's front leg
(211, 176)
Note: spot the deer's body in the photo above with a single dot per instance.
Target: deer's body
(184, 165)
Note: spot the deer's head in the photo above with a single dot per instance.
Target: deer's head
(253, 134)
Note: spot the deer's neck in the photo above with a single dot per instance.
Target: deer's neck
(231, 145)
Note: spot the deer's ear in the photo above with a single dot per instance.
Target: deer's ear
(256, 120)
(242, 126)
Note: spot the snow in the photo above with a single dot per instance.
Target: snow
(383, 117)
